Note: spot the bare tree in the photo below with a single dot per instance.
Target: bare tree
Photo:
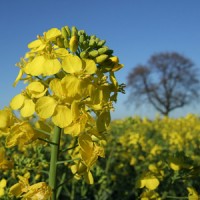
(168, 81)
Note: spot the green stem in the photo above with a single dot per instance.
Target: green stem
(54, 158)
(47, 141)
(59, 189)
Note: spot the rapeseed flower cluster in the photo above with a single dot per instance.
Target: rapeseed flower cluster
(70, 85)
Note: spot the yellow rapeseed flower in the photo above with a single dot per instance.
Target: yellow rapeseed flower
(5, 164)
(3, 183)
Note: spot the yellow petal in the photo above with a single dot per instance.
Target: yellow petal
(45, 107)
(28, 108)
(34, 44)
(3, 183)
(35, 67)
(2, 192)
(88, 151)
(151, 183)
(51, 66)
(90, 66)
(71, 85)
(36, 89)
(75, 110)
(193, 194)
(62, 116)
(61, 53)
(38, 191)
(35, 86)
(103, 121)
(88, 177)
(56, 87)
(72, 64)
(73, 130)
(20, 134)
(16, 189)
(52, 33)
(20, 74)
(5, 116)
(17, 102)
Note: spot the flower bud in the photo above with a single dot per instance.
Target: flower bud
(64, 32)
(101, 58)
(93, 53)
(81, 32)
(73, 44)
(97, 40)
(74, 31)
(92, 43)
(117, 67)
(93, 37)
(66, 43)
(84, 54)
(84, 45)
(68, 31)
(103, 50)
(101, 43)
(81, 39)
(114, 59)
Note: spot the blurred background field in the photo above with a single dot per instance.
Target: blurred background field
(145, 159)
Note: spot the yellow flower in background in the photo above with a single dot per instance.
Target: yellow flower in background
(20, 134)
(19, 188)
(149, 181)
(5, 164)
(7, 119)
(3, 183)
(192, 194)
(150, 195)
(38, 191)
(80, 169)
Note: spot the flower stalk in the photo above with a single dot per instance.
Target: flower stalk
(53, 161)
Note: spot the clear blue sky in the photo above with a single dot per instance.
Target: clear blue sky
(135, 29)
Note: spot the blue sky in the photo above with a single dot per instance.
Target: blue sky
(135, 29)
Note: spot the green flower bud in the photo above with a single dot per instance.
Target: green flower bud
(93, 53)
(103, 50)
(92, 43)
(101, 58)
(81, 32)
(68, 31)
(84, 54)
(73, 43)
(84, 45)
(74, 31)
(66, 43)
(81, 39)
(93, 37)
(101, 43)
(97, 40)
(64, 32)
